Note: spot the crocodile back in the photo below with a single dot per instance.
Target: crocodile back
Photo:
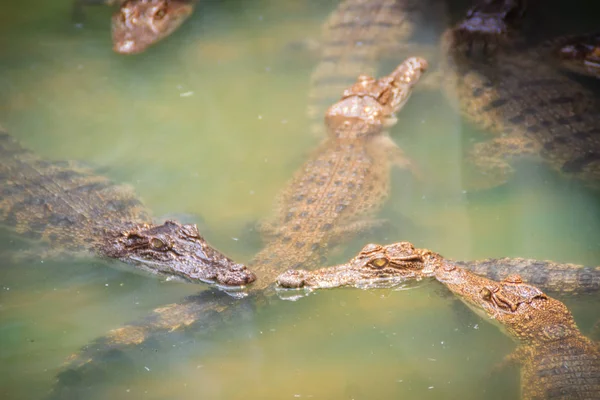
(547, 275)
(342, 181)
(562, 369)
(61, 201)
(519, 94)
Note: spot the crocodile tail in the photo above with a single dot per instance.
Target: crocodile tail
(115, 356)
(546, 275)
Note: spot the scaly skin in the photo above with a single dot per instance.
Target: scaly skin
(534, 111)
(557, 361)
(70, 208)
(490, 20)
(385, 266)
(138, 24)
(345, 179)
(357, 34)
(580, 54)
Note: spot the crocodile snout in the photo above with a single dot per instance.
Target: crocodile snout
(292, 279)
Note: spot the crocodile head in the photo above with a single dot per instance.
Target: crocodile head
(581, 55)
(374, 102)
(139, 24)
(176, 250)
(524, 311)
(375, 266)
(488, 24)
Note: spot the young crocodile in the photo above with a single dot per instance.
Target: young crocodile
(384, 266)
(70, 208)
(533, 109)
(346, 178)
(355, 37)
(558, 362)
(138, 24)
(141, 23)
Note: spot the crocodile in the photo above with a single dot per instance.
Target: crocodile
(533, 111)
(558, 362)
(579, 53)
(354, 39)
(71, 209)
(346, 178)
(393, 264)
(139, 24)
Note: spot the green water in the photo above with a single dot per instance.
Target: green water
(208, 127)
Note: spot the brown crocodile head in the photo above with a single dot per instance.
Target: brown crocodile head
(488, 24)
(140, 23)
(523, 310)
(581, 54)
(375, 266)
(173, 249)
(374, 102)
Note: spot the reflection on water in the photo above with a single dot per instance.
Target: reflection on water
(208, 127)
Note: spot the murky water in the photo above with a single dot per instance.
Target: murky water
(208, 127)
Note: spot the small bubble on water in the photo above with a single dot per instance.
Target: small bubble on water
(476, 326)
(146, 368)
(106, 284)
(234, 238)
(284, 121)
(430, 387)
(260, 117)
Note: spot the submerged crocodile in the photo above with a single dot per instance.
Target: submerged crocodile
(138, 24)
(68, 207)
(533, 110)
(558, 362)
(384, 266)
(356, 36)
(345, 179)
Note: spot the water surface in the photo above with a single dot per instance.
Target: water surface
(208, 127)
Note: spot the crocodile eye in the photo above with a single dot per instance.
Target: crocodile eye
(157, 244)
(486, 294)
(379, 262)
(160, 13)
